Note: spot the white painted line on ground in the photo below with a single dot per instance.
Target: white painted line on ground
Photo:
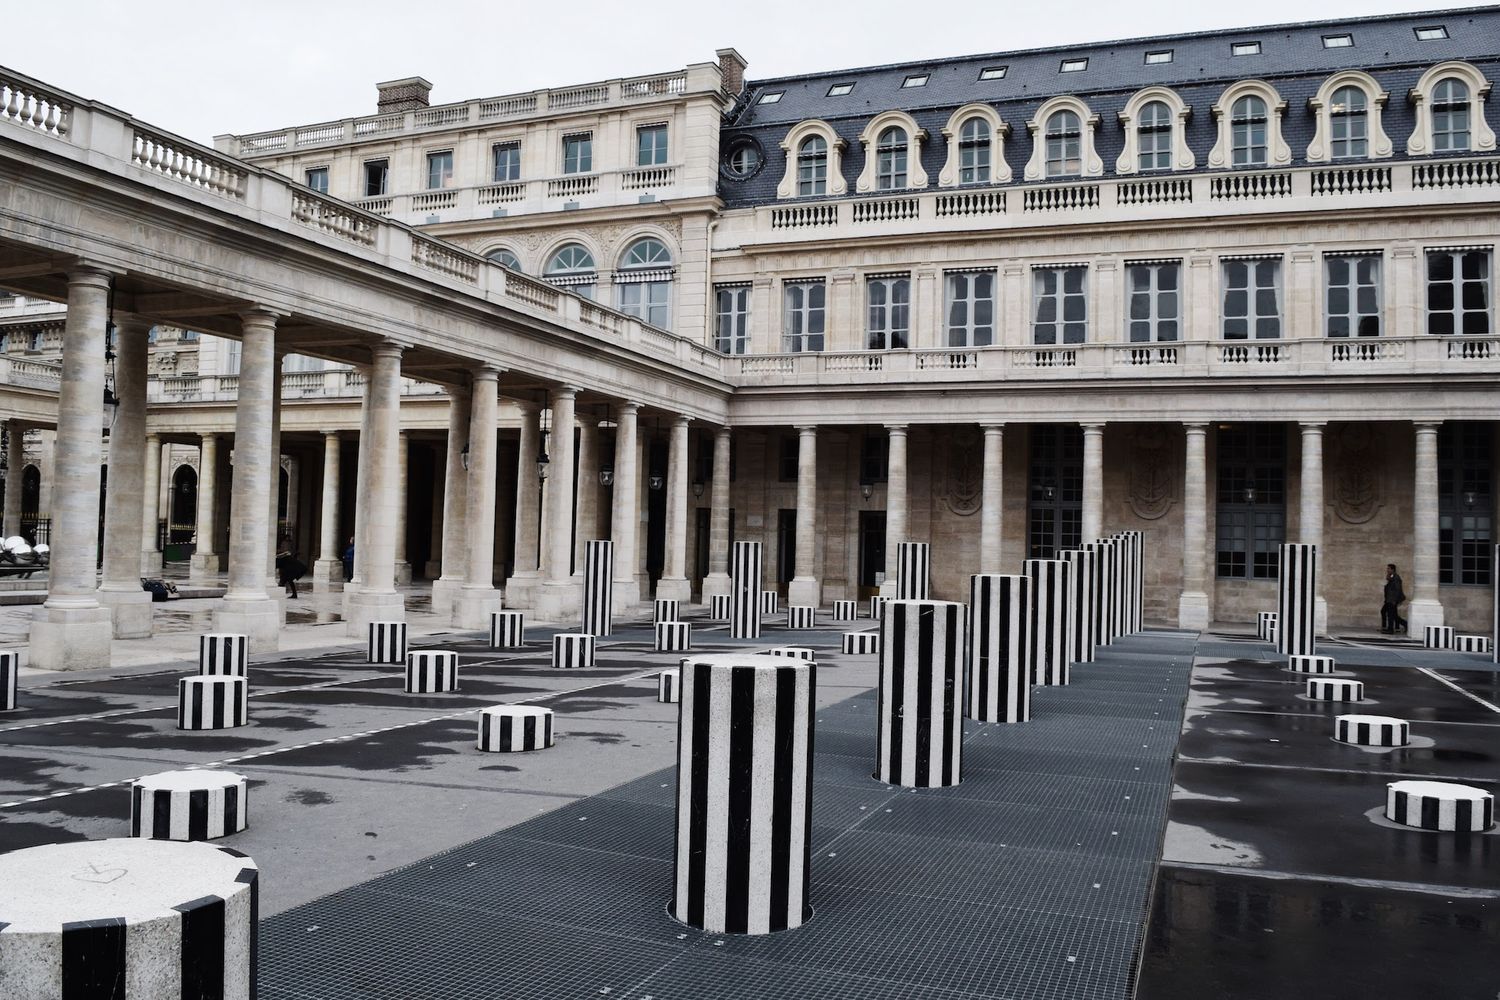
(1467, 694)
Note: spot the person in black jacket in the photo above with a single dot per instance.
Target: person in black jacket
(1390, 615)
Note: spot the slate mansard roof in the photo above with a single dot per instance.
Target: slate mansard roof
(1293, 58)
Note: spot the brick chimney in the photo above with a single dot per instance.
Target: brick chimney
(402, 95)
(732, 69)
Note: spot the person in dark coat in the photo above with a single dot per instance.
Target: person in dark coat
(1390, 614)
(349, 561)
(289, 568)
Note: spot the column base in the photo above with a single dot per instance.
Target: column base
(473, 606)
(804, 591)
(558, 602)
(403, 574)
(627, 594)
(350, 589)
(262, 619)
(70, 638)
(151, 564)
(368, 606)
(674, 589)
(521, 590)
(327, 576)
(1192, 611)
(433, 570)
(205, 567)
(1420, 614)
(130, 610)
(445, 591)
(715, 585)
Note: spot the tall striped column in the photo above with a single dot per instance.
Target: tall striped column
(744, 793)
(1101, 551)
(744, 591)
(999, 678)
(1495, 608)
(1296, 591)
(1051, 623)
(1081, 564)
(920, 739)
(1133, 543)
(598, 587)
(912, 571)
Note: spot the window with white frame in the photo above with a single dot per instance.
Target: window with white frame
(645, 282)
(578, 153)
(505, 259)
(732, 319)
(993, 73)
(840, 89)
(971, 308)
(1154, 133)
(317, 179)
(804, 316)
(1244, 49)
(1351, 305)
(1248, 132)
(1450, 116)
(774, 97)
(1431, 33)
(1158, 57)
(1059, 300)
(651, 145)
(888, 312)
(1153, 307)
(506, 159)
(377, 177)
(572, 267)
(890, 159)
(812, 167)
(1064, 136)
(1349, 123)
(915, 80)
(1252, 299)
(974, 144)
(440, 170)
(1459, 290)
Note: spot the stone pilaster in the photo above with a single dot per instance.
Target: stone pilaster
(403, 463)
(674, 584)
(120, 590)
(205, 564)
(454, 557)
(587, 486)
(361, 488)
(521, 588)
(479, 599)
(1093, 482)
(377, 599)
(1425, 608)
(1193, 609)
(560, 595)
(805, 590)
(991, 509)
(150, 559)
(625, 507)
(1310, 517)
(717, 581)
(328, 571)
(896, 504)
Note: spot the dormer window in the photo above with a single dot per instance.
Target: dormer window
(1154, 134)
(1431, 33)
(890, 167)
(1073, 66)
(1450, 116)
(1245, 49)
(974, 152)
(771, 98)
(915, 80)
(993, 73)
(1350, 121)
(1248, 132)
(1338, 41)
(840, 89)
(812, 167)
(1158, 57)
(1064, 145)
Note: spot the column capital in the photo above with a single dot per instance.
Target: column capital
(485, 373)
(84, 272)
(723, 430)
(630, 404)
(806, 429)
(153, 436)
(327, 436)
(1094, 427)
(1311, 426)
(1196, 426)
(130, 322)
(387, 349)
(258, 316)
(681, 420)
(1426, 426)
(998, 428)
(896, 428)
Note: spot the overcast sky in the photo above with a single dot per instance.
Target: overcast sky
(200, 69)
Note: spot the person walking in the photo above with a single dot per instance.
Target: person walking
(289, 566)
(1395, 595)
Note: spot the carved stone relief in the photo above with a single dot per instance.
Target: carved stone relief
(1357, 492)
(962, 455)
(1153, 471)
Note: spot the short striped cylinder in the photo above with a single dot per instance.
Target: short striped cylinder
(673, 637)
(507, 629)
(598, 587)
(571, 650)
(514, 728)
(10, 670)
(920, 734)
(387, 642)
(664, 609)
(128, 919)
(1264, 621)
(1471, 643)
(801, 616)
(217, 702)
(1371, 730)
(201, 804)
(224, 653)
(845, 611)
(1296, 594)
(1437, 637)
(999, 648)
(1050, 620)
(1082, 642)
(1444, 806)
(1335, 689)
(1314, 664)
(669, 687)
(718, 607)
(431, 671)
(876, 603)
(770, 602)
(913, 570)
(744, 590)
(861, 643)
(744, 794)
(793, 652)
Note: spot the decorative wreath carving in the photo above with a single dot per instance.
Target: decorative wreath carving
(1357, 490)
(1153, 472)
(963, 471)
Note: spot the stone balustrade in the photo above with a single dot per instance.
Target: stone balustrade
(544, 194)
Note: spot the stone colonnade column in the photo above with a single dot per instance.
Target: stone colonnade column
(674, 584)
(15, 464)
(150, 509)
(361, 489)
(454, 556)
(587, 485)
(1193, 605)
(328, 571)
(120, 589)
(521, 588)
(804, 589)
(204, 566)
(1310, 512)
(377, 599)
(559, 598)
(625, 509)
(717, 581)
(1426, 608)
(403, 459)
(895, 504)
(479, 599)
(1093, 482)
(991, 511)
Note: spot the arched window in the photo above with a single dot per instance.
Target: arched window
(505, 259)
(645, 281)
(890, 153)
(974, 152)
(812, 167)
(1154, 132)
(572, 267)
(1064, 145)
(1248, 132)
(1450, 116)
(183, 515)
(1350, 123)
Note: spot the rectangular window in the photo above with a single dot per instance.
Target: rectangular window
(786, 458)
(507, 161)
(377, 177)
(1055, 488)
(1059, 298)
(1245, 49)
(1153, 306)
(648, 301)
(1251, 500)
(732, 319)
(874, 458)
(840, 89)
(888, 308)
(993, 73)
(1458, 291)
(1431, 33)
(971, 308)
(1252, 299)
(651, 145)
(578, 153)
(317, 179)
(1158, 57)
(440, 170)
(804, 316)
(771, 98)
(1073, 66)
(1337, 41)
(1352, 301)
(1465, 503)
(915, 80)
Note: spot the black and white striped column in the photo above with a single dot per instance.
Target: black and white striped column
(999, 648)
(507, 629)
(744, 591)
(1437, 636)
(744, 794)
(669, 687)
(1081, 567)
(876, 603)
(1049, 623)
(1102, 551)
(861, 643)
(1271, 630)
(801, 616)
(202, 804)
(387, 642)
(1314, 664)
(571, 650)
(663, 609)
(1444, 806)
(598, 587)
(1371, 730)
(1134, 550)
(1495, 607)
(216, 702)
(770, 602)
(1296, 592)
(431, 671)
(128, 919)
(913, 571)
(1471, 643)
(514, 728)
(1114, 590)
(718, 607)
(673, 637)
(920, 735)
(845, 611)
(224, 653)
(1335, 689)
(10, 670)
(1264, 620)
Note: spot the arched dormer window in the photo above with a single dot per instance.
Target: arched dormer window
(506, 258)
(1249, 116)
(976, 148)
(1155, 122)
(1062, 141)
(644, 280)
(1450, 101)
(814, 162)
(1348, 109)
(893, 154)
(572, 267)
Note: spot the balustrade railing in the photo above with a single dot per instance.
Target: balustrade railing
(1064, 198)
(186, 162)
(1250, 186)
(885, 209)
(333, 218)
(24, 103)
